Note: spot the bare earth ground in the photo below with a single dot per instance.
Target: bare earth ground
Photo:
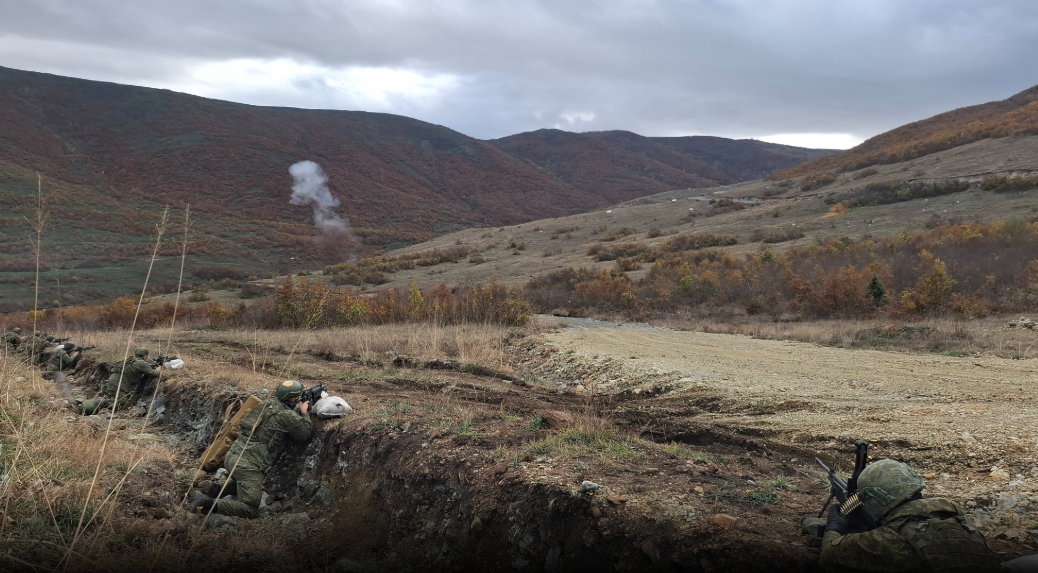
(966, 424)
(455, 460)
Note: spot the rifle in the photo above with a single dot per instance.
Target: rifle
(83, 348)
(160, 360)
(312, 395)
(61, 340)
(846, 492)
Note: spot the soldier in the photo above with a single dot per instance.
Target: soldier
(36, 348)
(63, 358)
(259, 443)
(135, 375)
(915, 534)
(12, 339)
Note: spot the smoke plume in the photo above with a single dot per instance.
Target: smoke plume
(309, 187)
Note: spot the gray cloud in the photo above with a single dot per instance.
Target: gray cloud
(490, 68)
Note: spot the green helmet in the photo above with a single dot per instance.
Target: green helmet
(886, 484)
(141, 352)
(49, 338)
(16, 330)
(288, 389)
(69, 346)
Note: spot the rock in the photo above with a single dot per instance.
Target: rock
(699, 489)
(723, 520)
(930, 476)
(477, 525)
(217, 521)
(1006, 502)
(586, 486)
(616, 500)
(997, 474)
(325, 497)
(20, 379)
(557, 419)
(967, 438)
(1010, 535)
(501, 468)
(649, 548)
(596, 512)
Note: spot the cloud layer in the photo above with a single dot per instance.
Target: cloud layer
(738, 68)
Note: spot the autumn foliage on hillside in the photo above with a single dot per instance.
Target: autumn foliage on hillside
(1015, 116)
(970, 270)
(303, 303)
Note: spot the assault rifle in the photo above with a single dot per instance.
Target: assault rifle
(312, 395)
(846, 492)
(160, 360)
(83, 348)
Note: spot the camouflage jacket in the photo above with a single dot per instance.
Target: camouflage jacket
(62, 360)
(135, 373)
(11, 339)
(259, 448)
(887, 548)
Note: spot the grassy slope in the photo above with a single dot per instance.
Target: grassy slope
(575, 234)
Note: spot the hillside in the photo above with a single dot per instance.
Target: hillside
(1011, 117)
(111, 156)
(775, 216)
(619, 163)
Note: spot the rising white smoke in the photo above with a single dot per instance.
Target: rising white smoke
(309, 187)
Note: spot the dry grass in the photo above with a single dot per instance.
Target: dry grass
(475, 344)
(48, 459)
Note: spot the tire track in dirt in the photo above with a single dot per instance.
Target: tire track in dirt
(938, 412)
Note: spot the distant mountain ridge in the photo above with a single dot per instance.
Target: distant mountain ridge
(110, 156)
(616, 163)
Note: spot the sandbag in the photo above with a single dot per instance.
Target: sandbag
(213, 456)
(175, 364)
(331, 407)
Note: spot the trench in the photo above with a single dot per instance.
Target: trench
(363, 498)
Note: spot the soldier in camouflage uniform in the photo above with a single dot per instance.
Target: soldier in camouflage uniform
(914, 534)
(63, 358)
(135, 375)
(36, 349)
(12, 339)
(263, 433)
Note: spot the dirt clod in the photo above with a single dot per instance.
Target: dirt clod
(723, 520)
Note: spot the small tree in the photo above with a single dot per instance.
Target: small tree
(877, 291)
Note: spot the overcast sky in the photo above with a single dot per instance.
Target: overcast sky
(819, 73)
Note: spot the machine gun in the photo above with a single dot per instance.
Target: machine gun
(312, 395)
(161, 359)
(846, 492)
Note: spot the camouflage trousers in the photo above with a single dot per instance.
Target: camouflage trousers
(247, 484)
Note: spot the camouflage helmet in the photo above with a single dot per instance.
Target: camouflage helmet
(16, 330)
(49, 338)
(288, 389)
(69, 346)
(141, 352)
(886, 484)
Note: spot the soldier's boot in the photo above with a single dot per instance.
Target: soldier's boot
(202, 504)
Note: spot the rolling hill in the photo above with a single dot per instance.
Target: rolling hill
(110, 157)
(1012, 117)
(619, 164)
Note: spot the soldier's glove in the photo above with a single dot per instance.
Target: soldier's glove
(845, 524)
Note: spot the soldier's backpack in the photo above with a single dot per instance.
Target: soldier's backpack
(950, 545)
(214, 454)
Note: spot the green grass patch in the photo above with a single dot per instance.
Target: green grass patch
(581, 442)
(762, 497)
